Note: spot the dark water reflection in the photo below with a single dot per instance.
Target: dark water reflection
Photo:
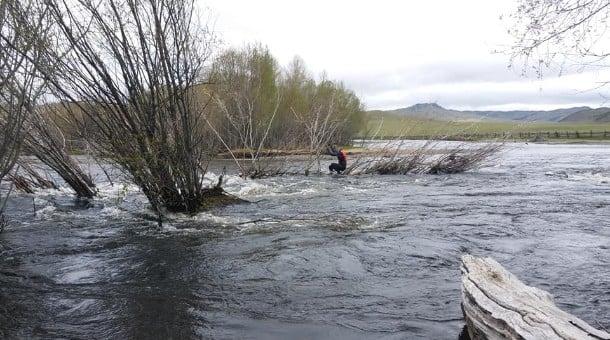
(356, 257)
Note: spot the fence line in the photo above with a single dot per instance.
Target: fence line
(79, 145)
(540, 135)
(82, 146)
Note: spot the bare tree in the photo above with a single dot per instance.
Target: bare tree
(18, 86)
(21, 28)
(38, 133)
(560, 33)
(247, 102)
(131, 68)
(332, 110)
(319, 124)
(252, 136)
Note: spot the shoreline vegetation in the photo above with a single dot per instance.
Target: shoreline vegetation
(161, 101)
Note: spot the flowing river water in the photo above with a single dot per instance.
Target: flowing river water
(318, 257)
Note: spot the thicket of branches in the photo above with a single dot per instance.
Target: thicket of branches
(45, 139)
(432, 157)
(24, 123)
(129, 70)
(559, 33)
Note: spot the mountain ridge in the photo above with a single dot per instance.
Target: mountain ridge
(579, 114)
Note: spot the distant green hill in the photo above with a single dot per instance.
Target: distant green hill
(436, 112)
(601, 115)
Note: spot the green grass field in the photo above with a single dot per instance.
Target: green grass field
(386, 125)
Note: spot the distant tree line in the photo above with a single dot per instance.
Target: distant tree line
(145, 83)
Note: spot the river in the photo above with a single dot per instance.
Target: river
(318, 257)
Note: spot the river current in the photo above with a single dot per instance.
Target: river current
(317, 257)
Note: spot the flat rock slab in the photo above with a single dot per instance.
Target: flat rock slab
(497, 305)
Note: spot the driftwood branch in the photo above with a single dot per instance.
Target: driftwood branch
(497, 305)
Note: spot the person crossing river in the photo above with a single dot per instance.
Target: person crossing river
(341, 158)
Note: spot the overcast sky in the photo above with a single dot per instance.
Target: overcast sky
(394, 54)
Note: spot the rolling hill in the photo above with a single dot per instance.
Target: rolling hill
(574, 114)
(601, 115)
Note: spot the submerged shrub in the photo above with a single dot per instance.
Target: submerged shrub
(129, 75)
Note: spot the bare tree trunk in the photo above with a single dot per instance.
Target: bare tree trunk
(251, 137)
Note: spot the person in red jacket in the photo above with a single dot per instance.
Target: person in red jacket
(341, 158)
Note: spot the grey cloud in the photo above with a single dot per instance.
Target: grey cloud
(465, 84)
(483, 95)
(449, 72)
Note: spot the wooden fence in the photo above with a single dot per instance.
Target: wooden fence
(77, 146)
(531, 136)
(566, 134)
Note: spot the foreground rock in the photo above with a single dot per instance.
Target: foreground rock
(497, 305)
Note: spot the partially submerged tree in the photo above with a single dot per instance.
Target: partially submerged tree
(46, 141)
(130, 67)
(394, 159)
(19, 88)
(465, 157)
(28, 179)
(429, 158)
(21, 28)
